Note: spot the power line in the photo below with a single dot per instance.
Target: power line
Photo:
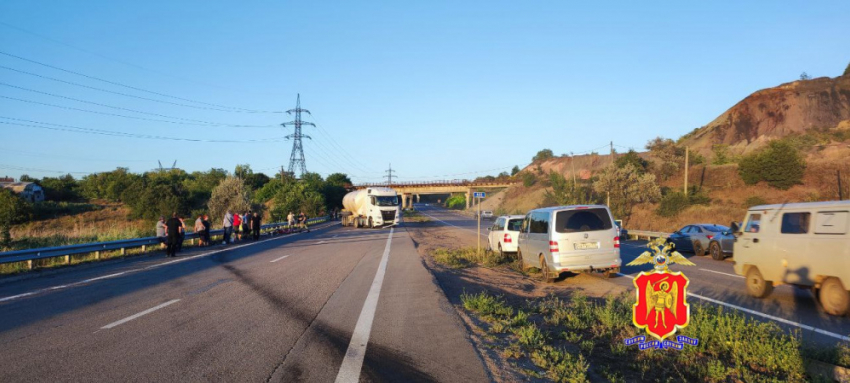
(130, 64)
(117, 93)
(134, 87)
(76, 129)
(196, 122)
(40, 155)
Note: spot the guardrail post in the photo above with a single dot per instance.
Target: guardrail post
(29, 264)
(144, 248)
(123, 251)
(97, 255)
(67, 259)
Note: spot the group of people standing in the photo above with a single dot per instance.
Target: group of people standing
(242, 225)
(302, 221)
(172, 232)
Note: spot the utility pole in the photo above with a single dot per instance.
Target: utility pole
(687, 149)
(296, 159)
(573, 164)
(612, 152)
(389, 175)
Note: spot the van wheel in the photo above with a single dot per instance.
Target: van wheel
(545, 273)
(610, 273)
(501, 253)
(834, 297)
(698, 250)
(715, 251)
(522, 263)
(756, 285)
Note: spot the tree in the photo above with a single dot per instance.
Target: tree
(543, 155)
(566, 192)
(805, 76)
(627, 188)
(334, 189)
(296, 196)
(847, 70)
(12, 209)
(26, 178)
(514, 171)
(669, 156)
(230, 195)
(63, 188)
(111, 185)
(634, 159)
(779, 164)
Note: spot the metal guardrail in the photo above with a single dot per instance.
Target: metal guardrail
(438, 183)
(638, 234)
(85, 248)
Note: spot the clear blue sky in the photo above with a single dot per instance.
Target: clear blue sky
(436, 88)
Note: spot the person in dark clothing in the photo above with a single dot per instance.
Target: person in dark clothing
(172, 229)
(255, 225)
(206, 223)
(182, 234)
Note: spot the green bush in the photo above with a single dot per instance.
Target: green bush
(672, 204)
(754, 201)
(528, 179)
(779, 164)
(457, 201)
(543, 155)
(721, 155)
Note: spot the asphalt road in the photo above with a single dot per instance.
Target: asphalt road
(336, 304)
(711, 281)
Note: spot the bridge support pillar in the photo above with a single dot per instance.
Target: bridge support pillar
(468, 197)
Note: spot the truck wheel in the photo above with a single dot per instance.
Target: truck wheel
(715, 251)
(371, 225)
(756, 285)
(834, 297)
(698, 249)
(356, 223)
(545, 273)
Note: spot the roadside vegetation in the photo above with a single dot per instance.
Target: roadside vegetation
(469, 256)
(457, 201)
(120, 205)
(414, 216)
(581, 339)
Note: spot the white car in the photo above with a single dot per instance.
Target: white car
(504, 233)
(486, 214)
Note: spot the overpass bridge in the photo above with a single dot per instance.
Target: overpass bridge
(409, 190)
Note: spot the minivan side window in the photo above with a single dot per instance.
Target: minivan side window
(795, 223)
(831, 222)
(540, 223)
(753, 223)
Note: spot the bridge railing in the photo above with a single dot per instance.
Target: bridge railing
(96, 248)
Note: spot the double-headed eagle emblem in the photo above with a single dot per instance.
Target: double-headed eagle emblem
(661, 306)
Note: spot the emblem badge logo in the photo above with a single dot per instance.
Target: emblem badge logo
(661, 308)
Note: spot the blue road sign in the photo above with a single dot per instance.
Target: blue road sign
(478, 194)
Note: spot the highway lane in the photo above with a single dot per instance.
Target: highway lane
(281, 310)
(711, 281)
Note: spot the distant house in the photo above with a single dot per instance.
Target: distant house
(26, 190)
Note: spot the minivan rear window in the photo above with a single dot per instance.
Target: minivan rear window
(515, 224)
(573, 221)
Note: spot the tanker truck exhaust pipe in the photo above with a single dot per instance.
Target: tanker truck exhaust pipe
(372, 207)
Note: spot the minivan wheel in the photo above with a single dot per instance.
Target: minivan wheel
(522, 263)
(610, 273)
(756, 285)
(698, 250)
(834, 297)
(715, 251)
(501, 253)
(546, 274)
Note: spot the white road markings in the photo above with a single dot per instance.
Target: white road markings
(763, 315)
(278, 259)
(352, 363)
(134, 316)
(718, 272)
(321, 242)
(182, 259)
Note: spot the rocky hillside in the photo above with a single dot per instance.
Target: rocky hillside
(796, 107)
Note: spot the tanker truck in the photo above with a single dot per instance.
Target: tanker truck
(372, 207)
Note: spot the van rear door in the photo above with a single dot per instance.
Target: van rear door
(585, 235)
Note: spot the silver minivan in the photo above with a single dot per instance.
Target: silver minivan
(570, 238)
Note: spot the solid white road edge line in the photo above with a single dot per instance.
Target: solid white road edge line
(134, 316)
(763, 315)
(718, 272)
(277, 259)
(352, 363)
(75, 284)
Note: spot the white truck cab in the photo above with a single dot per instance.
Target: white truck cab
(372, 207)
